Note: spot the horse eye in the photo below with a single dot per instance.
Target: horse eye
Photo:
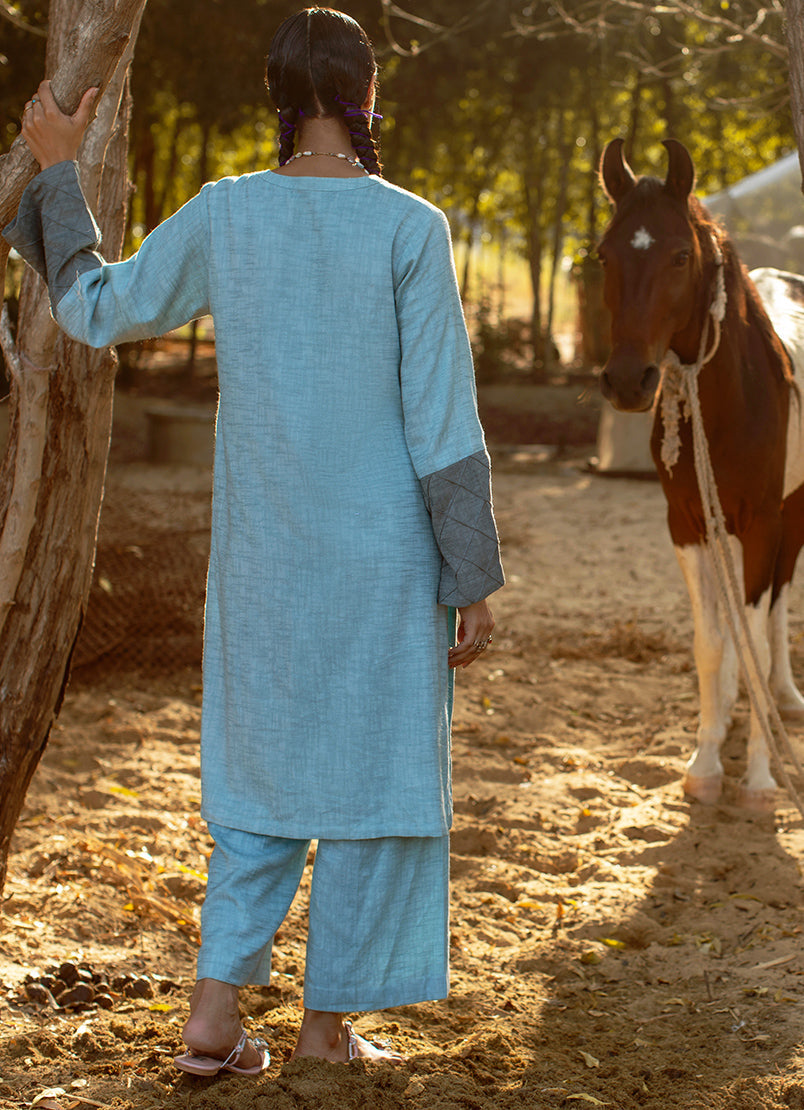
(681, 258)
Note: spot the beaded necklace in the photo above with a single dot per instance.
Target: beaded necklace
(328, 154)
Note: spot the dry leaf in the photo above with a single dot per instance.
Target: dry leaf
(590, 1060)
(586, 1098)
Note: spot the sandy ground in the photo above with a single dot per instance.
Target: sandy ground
(612, 944)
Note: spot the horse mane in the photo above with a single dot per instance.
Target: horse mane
(741, 294)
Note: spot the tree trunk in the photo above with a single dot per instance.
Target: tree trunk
(51, 482)
(564, 143)
(533, 194)
(203, 171)
(794, 10)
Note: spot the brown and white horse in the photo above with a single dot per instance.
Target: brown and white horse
(662, 253)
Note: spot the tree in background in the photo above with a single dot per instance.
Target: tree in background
(497, 110)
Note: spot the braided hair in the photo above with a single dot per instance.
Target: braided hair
(320, 63)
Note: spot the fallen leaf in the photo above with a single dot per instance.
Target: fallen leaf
(590, 1060)
(590, 957)
(586, 1098)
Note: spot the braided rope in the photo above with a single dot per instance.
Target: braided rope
(679, 386)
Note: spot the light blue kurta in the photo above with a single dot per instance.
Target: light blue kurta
(345, 377)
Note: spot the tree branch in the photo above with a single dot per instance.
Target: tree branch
(13, 16)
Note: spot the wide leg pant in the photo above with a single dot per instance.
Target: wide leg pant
(379, 924)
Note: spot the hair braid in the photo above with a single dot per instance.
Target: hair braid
(362, 140)
(288, 121)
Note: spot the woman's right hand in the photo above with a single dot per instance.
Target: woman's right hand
(474, 634)
(51, 135)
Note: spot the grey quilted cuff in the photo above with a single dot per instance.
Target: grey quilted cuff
(54, 230)
(458, 499)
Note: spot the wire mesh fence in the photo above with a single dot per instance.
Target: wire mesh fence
(146, 605)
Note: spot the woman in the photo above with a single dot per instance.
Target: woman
(351, 518)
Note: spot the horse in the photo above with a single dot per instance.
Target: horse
(666, 265)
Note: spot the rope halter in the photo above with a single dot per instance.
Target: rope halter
(677, 379)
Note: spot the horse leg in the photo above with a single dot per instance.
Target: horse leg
(787, 696)
(761, 548)
(785, 692)
(715, 662)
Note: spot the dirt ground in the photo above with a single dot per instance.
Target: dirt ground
(612, 944)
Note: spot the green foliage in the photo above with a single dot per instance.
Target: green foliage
(497, 110)
(22, 66)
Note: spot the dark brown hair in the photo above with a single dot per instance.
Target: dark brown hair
(320, 63)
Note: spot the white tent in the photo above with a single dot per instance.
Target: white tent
(764, 214)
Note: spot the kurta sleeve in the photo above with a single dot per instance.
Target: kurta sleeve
(442, 428)
(163, 286)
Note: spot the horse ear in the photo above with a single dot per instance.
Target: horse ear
(617, 176)
(680, 170)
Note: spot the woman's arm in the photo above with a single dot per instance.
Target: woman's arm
(163, 286)
(443, 431)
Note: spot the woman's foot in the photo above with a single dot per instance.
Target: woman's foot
(214, 1028)
(328, 1037)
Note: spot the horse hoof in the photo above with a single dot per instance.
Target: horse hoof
(758, 801)
(703, 788)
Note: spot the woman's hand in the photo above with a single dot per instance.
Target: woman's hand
(474, 634)
(51, 135)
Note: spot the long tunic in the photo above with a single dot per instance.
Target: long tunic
(348, 505)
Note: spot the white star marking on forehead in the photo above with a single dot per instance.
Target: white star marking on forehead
(642, 239)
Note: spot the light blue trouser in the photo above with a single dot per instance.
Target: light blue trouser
(379, 918)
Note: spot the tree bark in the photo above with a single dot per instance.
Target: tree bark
(564, 142)
(533, 196)
(794, 18)
(51, 482)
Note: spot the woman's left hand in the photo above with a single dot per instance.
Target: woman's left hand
(51, 135)
(474, 634)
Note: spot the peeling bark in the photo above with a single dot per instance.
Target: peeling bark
(51, 482)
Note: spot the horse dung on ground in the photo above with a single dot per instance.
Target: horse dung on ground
(684, 309)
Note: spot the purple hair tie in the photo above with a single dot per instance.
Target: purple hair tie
(285, 126)
(351, 109)
(362, 112)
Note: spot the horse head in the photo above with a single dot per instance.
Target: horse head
(653, 263)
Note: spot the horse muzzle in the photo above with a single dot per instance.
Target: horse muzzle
(629, 383)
